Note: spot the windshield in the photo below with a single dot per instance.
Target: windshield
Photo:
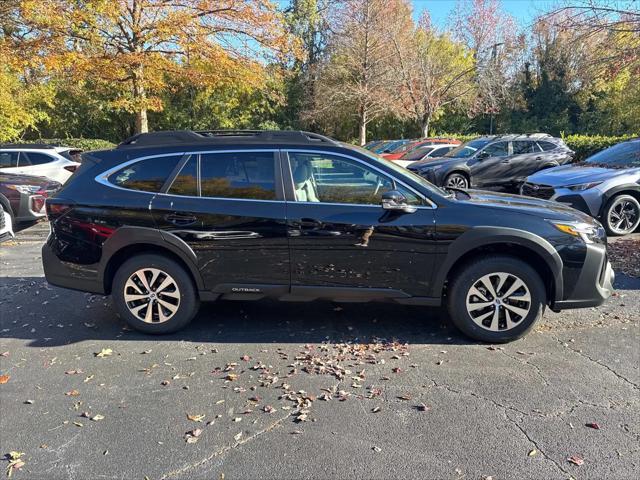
(397, 168)
(467, 149)
(622, 155)
(417, 153)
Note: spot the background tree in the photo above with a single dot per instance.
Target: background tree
(136, 44)
(356, 79)
(434, 72)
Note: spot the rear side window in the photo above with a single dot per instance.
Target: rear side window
(186, 182)
(8, 159)
(546, 146)
(243, 175)
(147, 175)
(33, 158)
(522, 147)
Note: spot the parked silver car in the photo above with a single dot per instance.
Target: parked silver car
(605, 186)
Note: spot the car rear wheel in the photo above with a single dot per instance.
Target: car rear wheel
(154, 294)
(622, 215)
(496, 299)
(456, 180)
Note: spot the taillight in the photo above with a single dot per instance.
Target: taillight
(37, 203)
(56, 209)
(71, 168)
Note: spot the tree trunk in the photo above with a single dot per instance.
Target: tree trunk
(425, 126)
(363, 126)
(140, 99)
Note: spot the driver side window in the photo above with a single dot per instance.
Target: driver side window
(500, 149)
(332, 179)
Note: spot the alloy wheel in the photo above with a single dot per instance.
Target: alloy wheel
(457, 181)
(498, 301)
(152, 295)
(624, 216)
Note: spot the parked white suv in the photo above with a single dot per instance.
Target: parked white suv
(54, 163)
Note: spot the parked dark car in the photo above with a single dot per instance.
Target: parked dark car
(495, 161)
(22, 197)
(168, 219)
(390, 146)
(605, 186)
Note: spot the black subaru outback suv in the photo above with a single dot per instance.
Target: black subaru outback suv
(168, 219)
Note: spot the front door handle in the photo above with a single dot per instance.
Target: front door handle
(506, 161)
(180, 219)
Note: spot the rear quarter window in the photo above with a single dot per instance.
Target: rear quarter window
(146, 175)
(547, 146)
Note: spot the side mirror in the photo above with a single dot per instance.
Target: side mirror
(483, 155)
(386, 151)
(394, 200)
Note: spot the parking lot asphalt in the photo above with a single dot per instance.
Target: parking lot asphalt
(309, 390)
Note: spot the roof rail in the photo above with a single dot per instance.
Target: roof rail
(28, 145)
(181, 137)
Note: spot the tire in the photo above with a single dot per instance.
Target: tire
(178, 293)
(464, 305)
(621, 208)
(456, 180)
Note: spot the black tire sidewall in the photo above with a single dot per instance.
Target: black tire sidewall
(451, 175)
(607, 210)
(469, 274)
(188, 297)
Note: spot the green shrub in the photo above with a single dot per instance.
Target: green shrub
(587, 145)
(84, 144)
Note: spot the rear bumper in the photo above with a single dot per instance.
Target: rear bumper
(66, 275)
(595, 283)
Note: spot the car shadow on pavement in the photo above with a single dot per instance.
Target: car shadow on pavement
(49, 316)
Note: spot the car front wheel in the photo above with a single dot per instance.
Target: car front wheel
(154, 294)
(456, 180)
(496, 299)
(622, 215)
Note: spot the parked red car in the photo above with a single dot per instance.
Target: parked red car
(407, 147)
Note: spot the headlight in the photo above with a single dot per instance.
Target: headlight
(584, 186)
(587, 232)
(27, 189)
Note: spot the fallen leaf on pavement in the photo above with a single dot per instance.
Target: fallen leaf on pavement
(595, 426)
(73, 372)
(4, 354)
(97, 418)
(195, 418)
(4, 378)
(376, 449)
(268, 409)
(575, 459)
(15, 462)
(405, 397)
(231, 377)
(375, 409)
(105, 352)
(533, 453)
(88, 379)
(421, 407)
(237, 436)
(72, 393)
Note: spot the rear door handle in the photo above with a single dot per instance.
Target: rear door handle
(506, 161)
(180, 219)
(309, 223)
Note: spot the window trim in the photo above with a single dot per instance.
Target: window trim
(286, 164)
(103, 178)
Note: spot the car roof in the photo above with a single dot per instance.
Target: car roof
(189, 138)
(518, 136)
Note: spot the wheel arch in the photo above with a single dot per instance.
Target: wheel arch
(632, 189)
(483, 241)
(129, 241)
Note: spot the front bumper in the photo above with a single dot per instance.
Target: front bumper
(594, 284)
(587, 201)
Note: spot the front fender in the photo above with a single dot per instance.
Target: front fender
(484, 236)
